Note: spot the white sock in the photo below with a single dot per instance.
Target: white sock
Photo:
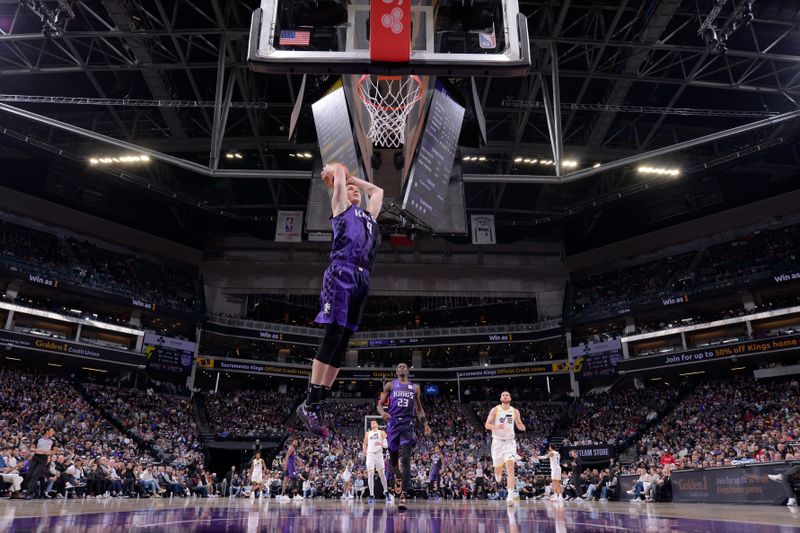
(382, 475)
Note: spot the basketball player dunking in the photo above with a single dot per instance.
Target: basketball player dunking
(405, 403)
(345, 285)
(501, 422)
(373, 445)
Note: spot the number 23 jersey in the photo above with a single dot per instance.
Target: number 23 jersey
(402, 401)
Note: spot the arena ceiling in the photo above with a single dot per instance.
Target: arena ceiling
(627, 77)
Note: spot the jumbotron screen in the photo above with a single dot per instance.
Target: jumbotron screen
(336, 143)
(426, 190)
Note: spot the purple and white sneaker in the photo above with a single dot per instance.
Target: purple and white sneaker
(312, 419)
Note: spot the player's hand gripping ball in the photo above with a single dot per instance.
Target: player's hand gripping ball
(328, 173)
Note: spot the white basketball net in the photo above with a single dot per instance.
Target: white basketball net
(389, 100)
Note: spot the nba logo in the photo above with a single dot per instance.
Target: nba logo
(487, 41)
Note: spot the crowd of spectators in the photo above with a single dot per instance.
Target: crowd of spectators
(252, 413)
(618, 415)
(31, 402)
(132, 276)
(347, 414)
(153, 448)
(20, 246)
(163, 422)
(727, 422)
(612, 292)
(747, 258)
(757, 256)
(92, 457)
(31, 251)
(459, 441)
(455, 439)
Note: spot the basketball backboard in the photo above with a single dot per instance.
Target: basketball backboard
(485, 38)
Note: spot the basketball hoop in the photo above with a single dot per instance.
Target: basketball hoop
(389, 100)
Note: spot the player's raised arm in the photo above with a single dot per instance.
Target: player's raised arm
(387, 390)
(374, 192)
(339, 173)
(426, 429)
(489, 419)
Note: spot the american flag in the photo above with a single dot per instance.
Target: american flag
(294, 38)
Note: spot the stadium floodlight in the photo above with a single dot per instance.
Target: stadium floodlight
(661, 171)
(596, 165)
(119, 159)
(517, 160)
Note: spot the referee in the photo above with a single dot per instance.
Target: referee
(41, 454)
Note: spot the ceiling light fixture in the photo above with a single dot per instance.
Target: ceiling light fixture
(119, 159)
(659, 171)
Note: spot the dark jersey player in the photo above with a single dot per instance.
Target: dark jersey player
(405, 405)
(345, 284)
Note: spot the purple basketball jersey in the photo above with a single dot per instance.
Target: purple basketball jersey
(402, 401)
(355, 237)
(291, 467)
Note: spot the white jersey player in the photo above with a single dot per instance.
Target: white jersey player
(555, 471)
(501, 421)
(347, 481)
(374, 444)
(257, 468)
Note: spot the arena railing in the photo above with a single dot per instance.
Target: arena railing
(388, 334)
